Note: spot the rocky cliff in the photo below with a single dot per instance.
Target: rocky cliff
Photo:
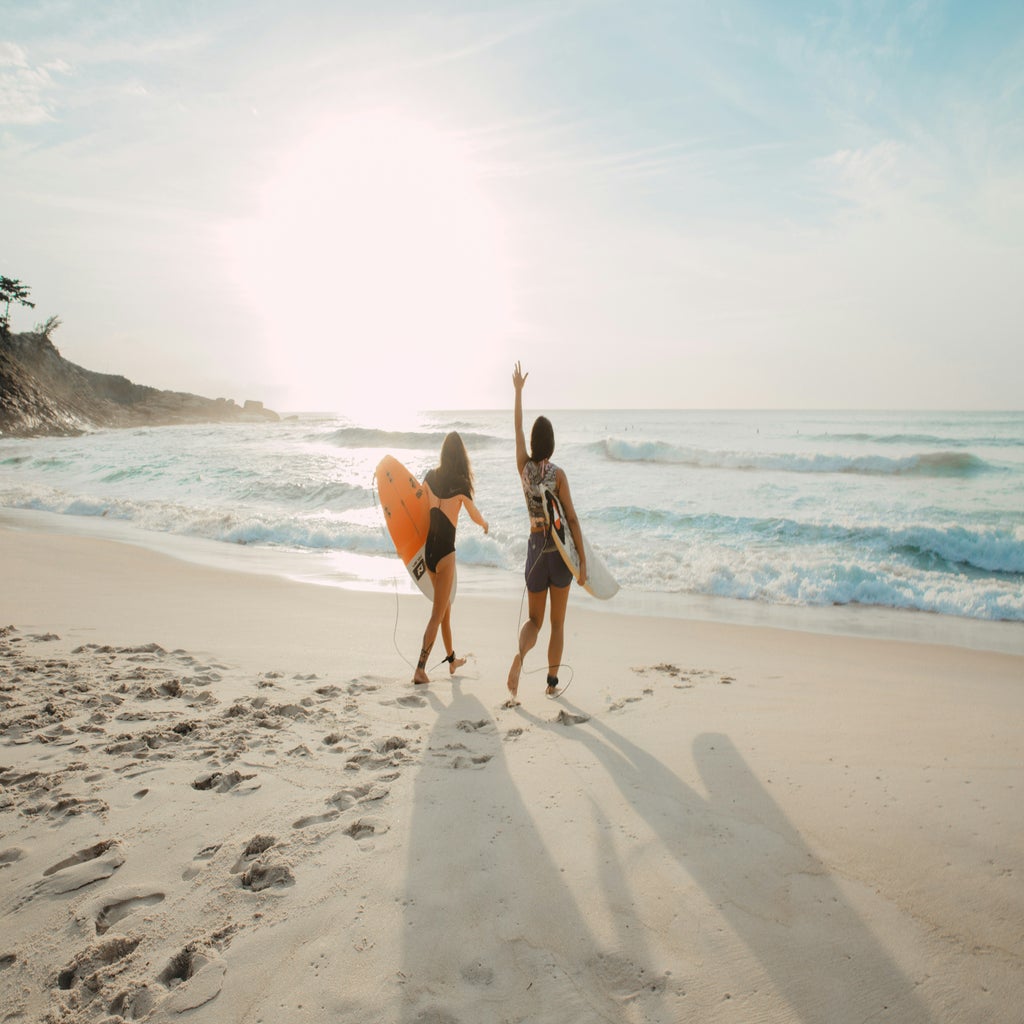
(42, 393)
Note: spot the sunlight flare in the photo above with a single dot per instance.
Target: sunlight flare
(376, 257)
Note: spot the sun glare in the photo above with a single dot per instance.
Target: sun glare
(375, 262)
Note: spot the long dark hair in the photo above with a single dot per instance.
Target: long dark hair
(542, 439)
(455, 469)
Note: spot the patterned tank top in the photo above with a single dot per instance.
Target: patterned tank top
(535, 476)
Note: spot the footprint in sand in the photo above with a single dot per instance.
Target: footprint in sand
(624, 980)
(259, 872)
(315, 819)
(82, 868)
(207, 853)
(389, 751)
(194, 976)
(352, 795)
(364, 828)
(111, 913)
(70, 806)
(413, 700)
(472, 761)
(467, 726)
(257, 845)
(93, 959)
(261, 875)
(11, 856)
(564, 718)
(368, 684)
(223, 782)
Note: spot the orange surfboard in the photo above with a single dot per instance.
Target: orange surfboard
(403, 500)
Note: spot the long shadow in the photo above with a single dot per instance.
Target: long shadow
(758, 871)
(491, 931)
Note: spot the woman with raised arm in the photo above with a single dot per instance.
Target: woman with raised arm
(449, 489)
(546, 572)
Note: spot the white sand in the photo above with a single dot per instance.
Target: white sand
(223, 801)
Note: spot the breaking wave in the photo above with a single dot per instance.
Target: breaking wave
(946, 463)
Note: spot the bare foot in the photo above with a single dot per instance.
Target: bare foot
(513, 675)
(454, 664)
(420, 677)
(552, 691)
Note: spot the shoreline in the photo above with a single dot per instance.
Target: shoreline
(223, 795)
(380, 575)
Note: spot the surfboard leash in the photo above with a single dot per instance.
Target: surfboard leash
(398, 604)
(534, 671)
(394, 580)
(394, 631)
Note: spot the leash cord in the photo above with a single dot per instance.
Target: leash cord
(394, 631)
(534, 671)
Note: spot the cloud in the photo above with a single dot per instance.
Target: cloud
(24, 88)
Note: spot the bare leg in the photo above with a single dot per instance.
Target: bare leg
(446, 637)
(559, 604)
(442, 580)
(527, 638)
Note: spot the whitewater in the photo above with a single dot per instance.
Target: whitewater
(922, 512)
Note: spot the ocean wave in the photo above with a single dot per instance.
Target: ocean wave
(130, 473)
(814, 581)
(936, 440)
(854, 583)
(305, 494)
(944, 463)
(990, 551)
(418, 440)
(952, 549)
(231, 526)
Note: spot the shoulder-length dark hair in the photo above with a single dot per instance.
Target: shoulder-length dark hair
(542, 440)
(455, 469)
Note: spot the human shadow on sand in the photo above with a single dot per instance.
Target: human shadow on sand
(756, 868)
(491, 928)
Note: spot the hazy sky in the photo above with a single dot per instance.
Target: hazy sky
(378, 206)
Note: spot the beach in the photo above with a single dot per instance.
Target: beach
(223, 800)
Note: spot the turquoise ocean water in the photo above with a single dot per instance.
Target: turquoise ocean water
(723, 514)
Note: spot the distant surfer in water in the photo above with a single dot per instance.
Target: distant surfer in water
(449, 489)
(546, 572)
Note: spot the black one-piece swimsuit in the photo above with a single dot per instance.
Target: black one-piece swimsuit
(440, 538)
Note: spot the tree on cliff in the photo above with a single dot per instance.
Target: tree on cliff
(12, 290)
(48, 326)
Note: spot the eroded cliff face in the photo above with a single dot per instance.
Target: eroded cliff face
(42, 393)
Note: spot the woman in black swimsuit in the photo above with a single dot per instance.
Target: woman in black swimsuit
(449, 489)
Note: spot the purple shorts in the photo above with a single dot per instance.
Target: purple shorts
(544, 565)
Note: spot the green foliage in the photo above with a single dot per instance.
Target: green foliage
(48, 326)
(12, 290)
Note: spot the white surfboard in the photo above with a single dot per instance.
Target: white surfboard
(600, 582)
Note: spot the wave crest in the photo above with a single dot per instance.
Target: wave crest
(418, 440)
(946, 463)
